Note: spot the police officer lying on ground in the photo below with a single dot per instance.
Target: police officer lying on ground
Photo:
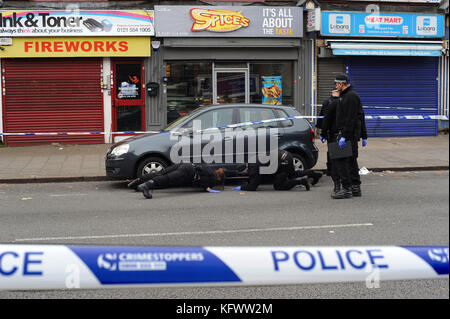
(285, 178)
(199, 176)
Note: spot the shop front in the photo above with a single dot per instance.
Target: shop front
(219, 55)
(73, 72)
(393, 62)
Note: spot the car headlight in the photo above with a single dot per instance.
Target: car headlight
(120, 150)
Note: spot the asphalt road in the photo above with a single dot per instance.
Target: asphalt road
(402, 208)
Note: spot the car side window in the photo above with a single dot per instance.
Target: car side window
(213, 118)
(281, 114)
(250, 114)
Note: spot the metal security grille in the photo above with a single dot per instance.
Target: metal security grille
(52, 95)
(397, 86)
(327, 69)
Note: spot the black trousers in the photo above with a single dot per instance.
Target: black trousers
(347, 168)
(178, 175)
(284, 182)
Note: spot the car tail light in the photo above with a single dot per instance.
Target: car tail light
(312, 134)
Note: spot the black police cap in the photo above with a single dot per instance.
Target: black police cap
(342, 78)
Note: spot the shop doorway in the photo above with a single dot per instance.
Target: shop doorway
(128, 97)
(231, 85)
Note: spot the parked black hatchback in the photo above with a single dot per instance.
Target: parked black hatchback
(148, 153)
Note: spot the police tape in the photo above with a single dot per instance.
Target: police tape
(252, 123)
(388, 107)
(90, 267)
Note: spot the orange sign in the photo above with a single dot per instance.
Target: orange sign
(218, 20)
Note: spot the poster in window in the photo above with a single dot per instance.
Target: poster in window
(271, 90)
(128, 81)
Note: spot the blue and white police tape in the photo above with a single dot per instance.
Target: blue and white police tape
(388, 107)
(368, 117)
(65, 267)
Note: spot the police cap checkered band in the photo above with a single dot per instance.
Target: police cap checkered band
(341, 78)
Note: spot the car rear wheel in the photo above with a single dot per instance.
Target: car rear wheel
(150, 165)
(299, 162)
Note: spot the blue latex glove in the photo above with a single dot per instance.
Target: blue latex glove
(213, 191)
(322, 139)
(364, 142)
(238, 188)
(342, 142)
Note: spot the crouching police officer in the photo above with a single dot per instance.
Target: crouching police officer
(199, 176)
(285, 178)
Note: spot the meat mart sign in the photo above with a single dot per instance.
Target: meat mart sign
(22, 23)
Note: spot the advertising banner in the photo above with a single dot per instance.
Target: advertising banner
(35, 23)
(236, 21)
(380, 24)
(272, 90)
(77, 47)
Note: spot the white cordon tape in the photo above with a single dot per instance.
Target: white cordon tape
(368, 117)
(65, 267)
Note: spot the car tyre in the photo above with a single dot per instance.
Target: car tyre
(299, 162)
(150, 165)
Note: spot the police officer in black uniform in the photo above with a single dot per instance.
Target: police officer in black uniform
(199, 176)
(350, 125)
(329, 133)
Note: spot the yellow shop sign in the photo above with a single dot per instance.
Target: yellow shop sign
(77, 47)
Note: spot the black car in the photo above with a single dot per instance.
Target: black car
(140, 155)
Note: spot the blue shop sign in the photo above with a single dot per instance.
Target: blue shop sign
(382, 24)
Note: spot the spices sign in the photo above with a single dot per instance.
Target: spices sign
(235, 21)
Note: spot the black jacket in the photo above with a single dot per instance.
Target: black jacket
(205, 176)
(328, 123)
(350, 121)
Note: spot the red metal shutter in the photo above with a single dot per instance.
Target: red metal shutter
(52, 95)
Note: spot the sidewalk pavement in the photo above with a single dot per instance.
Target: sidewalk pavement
(51, 163)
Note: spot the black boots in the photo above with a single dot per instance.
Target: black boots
(135, 183)
(305, 182)
(315, 175)
(337, 188)
(146, 189)
(356, 190)
(345, 192)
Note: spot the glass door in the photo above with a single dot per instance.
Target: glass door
(128, 97)
(231, 85)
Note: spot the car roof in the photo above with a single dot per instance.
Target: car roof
(239, 105)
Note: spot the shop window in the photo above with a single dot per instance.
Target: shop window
(189, 86)
(273, 82)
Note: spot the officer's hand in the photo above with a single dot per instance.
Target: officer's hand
(238, 188)
(322, 139)
(342, 142)
(364, 143)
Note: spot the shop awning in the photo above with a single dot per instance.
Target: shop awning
(386, 48)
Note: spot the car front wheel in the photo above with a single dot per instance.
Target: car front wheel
(150, 165)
